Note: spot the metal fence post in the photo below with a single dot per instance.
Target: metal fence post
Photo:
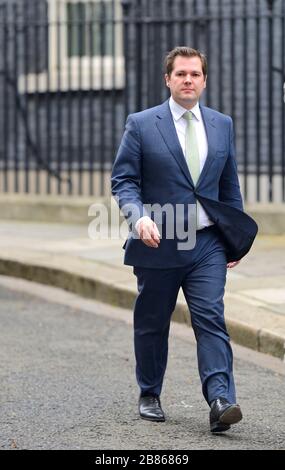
(126, 4)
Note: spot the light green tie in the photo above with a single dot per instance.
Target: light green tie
(191, 147)
(192, 153)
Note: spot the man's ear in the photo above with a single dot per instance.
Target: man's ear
(205, 83)
(166, 77)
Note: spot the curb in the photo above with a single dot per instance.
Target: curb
(261, 340)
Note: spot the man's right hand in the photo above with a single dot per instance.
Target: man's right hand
(148, 232)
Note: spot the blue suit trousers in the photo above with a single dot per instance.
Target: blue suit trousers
(203, 282)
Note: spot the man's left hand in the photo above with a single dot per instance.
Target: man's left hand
(232, 264)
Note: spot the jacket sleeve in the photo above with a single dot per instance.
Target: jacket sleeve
(126, 174)
(229, 189)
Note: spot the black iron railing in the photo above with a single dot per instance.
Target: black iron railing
(70, 72)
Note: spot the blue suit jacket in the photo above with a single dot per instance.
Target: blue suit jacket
(150, 168)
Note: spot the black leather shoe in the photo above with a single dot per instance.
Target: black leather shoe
(150, 408)
(223, 414)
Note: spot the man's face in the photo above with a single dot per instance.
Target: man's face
(186, 81)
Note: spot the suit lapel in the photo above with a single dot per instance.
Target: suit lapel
(168, 132)
(211, 132)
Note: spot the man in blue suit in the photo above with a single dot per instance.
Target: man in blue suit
(181, 154)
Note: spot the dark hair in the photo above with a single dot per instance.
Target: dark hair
(185, 52)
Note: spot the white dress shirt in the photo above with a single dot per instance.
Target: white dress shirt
(180, 123)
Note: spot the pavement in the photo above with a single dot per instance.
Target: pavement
(73, 209)
(68, 382)
(64, 256)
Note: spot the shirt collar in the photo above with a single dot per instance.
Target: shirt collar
(177, 110)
